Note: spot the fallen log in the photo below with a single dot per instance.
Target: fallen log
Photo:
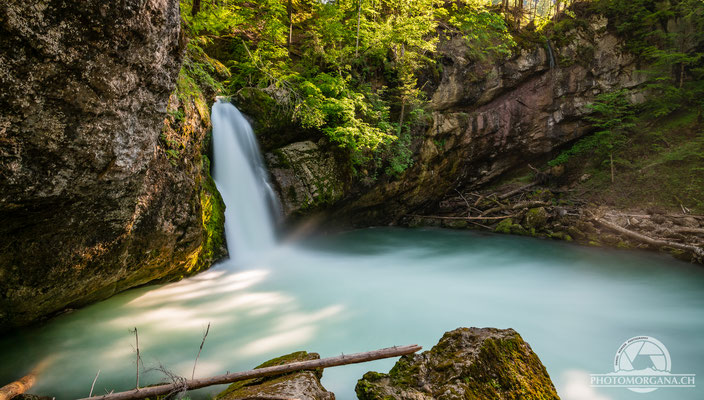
(24, 383)
(516, 191)
(649, 240)
(523, 204)
(696, 231)
(18, 387)
(460, 218)
(160, 390)
(648, 216)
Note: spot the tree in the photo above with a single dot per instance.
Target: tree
(613, 116)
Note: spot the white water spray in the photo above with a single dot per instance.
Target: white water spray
(241, 178)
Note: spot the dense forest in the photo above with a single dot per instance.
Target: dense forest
(359, 72)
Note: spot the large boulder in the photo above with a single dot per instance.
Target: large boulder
(301, 385)
(467, 364)
(305, 176)
(92, 198)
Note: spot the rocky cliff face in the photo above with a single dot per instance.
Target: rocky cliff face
(488, 118)
(91, 201)
(467, 363)
(493, 115)
(305, 177)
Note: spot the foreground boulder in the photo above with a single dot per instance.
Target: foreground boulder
(302, 385)
(467, 363)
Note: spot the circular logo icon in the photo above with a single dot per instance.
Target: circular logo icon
(642, 355)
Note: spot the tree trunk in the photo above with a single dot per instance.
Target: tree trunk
(611, 158)
(403, 110)
(535, 10)
(195, 8)
(17, 387)
(698, 251)
(289, 9)
(154, 391)
(519, 13)
(359, 16)
(25, 383)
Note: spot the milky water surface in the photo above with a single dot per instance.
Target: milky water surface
(364, 290)
(375, 288)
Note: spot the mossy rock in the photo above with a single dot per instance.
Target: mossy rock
(507, 226)
(467, 363)
(303, 385)
(456, 224)
(536, 218)
(306, 177)
(560, 236)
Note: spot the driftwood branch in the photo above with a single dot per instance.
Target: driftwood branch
(155, 391)
(517, 190)
(649, 240)
(18, 387)
(193, 374)
(460, 218)
(136, 338)
(93, 385)
(523, 204)
(614, 214)
(23, 384)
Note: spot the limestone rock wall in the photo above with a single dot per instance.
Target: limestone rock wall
(305, 176)
(90, 201)
(489, 116)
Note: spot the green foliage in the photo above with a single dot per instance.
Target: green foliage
(612, 116)
(347, 70)
(213, 217)
(401, 156)
(671, 52)
(486, 32)
(662, 166)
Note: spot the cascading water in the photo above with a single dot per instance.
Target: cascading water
(363, 290)
(241, 178)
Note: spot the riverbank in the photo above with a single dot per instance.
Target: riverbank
(539, 212)
(651, 200)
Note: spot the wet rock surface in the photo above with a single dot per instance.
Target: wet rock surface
(91, 203)
(305, 176)
(467, 363)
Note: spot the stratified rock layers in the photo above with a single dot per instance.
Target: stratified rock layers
(489, 116)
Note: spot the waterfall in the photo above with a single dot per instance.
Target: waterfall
(551, 55)
(242, 179)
